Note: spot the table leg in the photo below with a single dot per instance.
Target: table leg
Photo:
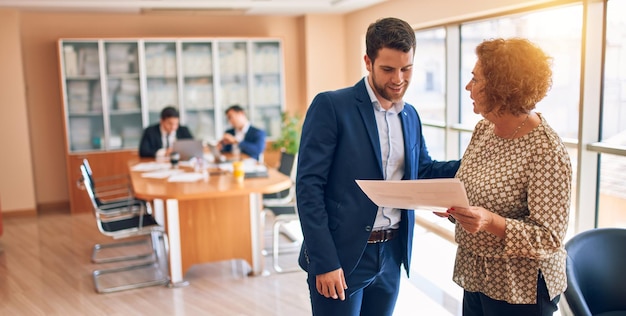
(256, 230)
(173, 233)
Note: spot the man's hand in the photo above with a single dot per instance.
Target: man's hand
(228, 139)
(332, 284)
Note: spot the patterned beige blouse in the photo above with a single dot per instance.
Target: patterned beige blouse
(527, 180)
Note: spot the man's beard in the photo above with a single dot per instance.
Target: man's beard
(387, 96)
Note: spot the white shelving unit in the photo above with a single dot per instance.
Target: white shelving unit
(114, 88)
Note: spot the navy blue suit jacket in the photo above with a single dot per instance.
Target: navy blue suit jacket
(339, 145)
(253, 142)
(151, 140)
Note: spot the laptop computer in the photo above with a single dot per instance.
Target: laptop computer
(215, 152)
(188, 148)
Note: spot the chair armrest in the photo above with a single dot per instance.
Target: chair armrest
(573, 294)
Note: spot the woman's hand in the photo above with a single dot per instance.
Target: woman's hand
(476, 218)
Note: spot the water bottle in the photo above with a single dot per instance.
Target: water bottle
(236, 152)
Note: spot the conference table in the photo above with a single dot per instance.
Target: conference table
(209, 220)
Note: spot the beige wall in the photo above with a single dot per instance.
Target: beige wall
(16, 184)
(324, 54)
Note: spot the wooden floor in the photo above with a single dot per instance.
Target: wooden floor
(45, 269)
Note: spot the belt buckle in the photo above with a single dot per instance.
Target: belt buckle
(385, 234)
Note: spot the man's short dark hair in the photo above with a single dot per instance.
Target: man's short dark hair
(169, 111)
(389, 33)
(237, 108)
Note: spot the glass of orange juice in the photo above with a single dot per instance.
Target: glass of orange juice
(238, 171)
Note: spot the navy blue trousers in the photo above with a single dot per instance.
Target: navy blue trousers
(479, 304)
(372, 286)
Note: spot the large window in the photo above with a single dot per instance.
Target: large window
(596, 139)
(612, 191)
(558, 32)
(427, 91)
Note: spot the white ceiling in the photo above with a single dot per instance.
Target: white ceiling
(244, 7)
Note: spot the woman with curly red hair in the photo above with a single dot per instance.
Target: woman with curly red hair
(517, 173)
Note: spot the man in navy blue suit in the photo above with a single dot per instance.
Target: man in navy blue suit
(249, 139)
(352, 248)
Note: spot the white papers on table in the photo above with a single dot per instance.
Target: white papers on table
(150, 166)
(161, 174)
(187, 163)
(186, 177)
(250, 165)
(173, 175)
(414, 194)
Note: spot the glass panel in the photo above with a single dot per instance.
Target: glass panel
(198, 96)
(435, 141)
(612, 199)
(161, 77)
(558, 32)
(614, 94)
(465, 138)
(233, 75)
(266, 89)
(427, 91)
(81, 64)
(124, 95)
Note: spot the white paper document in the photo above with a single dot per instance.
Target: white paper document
(161, 174)
(413, 194)
(150, 166)
(186, 177)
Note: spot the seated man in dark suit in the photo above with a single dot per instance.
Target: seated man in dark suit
(157, 140)
(249, 139)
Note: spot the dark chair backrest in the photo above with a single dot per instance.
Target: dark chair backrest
(89, 174)
(89, 186)
(87, 167)
(287, 161)
(286, 167)
(596, 283)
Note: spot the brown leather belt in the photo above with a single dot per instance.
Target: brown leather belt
(382, 235)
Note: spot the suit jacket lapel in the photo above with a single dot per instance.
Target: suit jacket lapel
(366, 109)
(406, 132)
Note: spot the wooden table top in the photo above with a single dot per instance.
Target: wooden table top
(219, 184)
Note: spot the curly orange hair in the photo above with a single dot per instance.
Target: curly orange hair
(518, 74)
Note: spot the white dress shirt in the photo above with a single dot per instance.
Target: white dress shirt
(166, 139)
(392, 153)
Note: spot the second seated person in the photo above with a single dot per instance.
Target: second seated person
(353, 249)
(249, 139)
(157, 140)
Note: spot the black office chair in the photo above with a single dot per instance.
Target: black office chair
(287, 167)
(122, 220)
(596, 282)
(283, 215)
(282, 206)
(114, 193)
(110, 189)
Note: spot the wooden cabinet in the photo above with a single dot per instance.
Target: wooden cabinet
(114, 88)
(0, 222)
